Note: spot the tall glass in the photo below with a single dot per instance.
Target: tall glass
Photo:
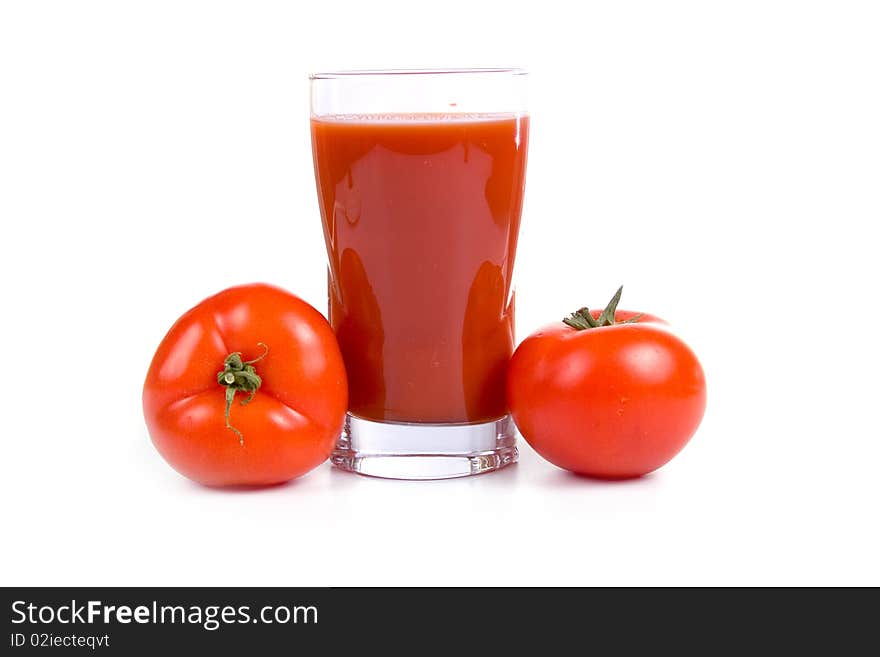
(420, 178)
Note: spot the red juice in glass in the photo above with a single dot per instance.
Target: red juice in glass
(421, 214)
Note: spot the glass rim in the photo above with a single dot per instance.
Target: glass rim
(389, 72)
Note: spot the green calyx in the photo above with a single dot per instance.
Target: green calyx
(240, 376)
(582, 319)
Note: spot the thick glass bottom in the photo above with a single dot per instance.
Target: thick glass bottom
(396, 450)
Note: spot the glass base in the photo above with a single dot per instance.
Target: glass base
(397, 450)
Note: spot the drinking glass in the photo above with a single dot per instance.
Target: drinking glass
(420, 178)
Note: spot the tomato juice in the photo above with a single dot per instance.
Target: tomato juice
(421, 214)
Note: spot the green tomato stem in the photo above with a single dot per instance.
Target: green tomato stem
(582, 319)
(240, 375)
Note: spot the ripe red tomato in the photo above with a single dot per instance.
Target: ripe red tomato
(276, 362)
(615, 401)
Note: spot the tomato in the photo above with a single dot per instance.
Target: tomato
(613, 401)
(276, 362)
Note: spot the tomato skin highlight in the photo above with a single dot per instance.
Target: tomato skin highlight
(612, 402)
(291, 424)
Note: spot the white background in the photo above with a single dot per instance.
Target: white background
(721, 159)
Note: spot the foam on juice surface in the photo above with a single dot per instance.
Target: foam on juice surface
(416, 117)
